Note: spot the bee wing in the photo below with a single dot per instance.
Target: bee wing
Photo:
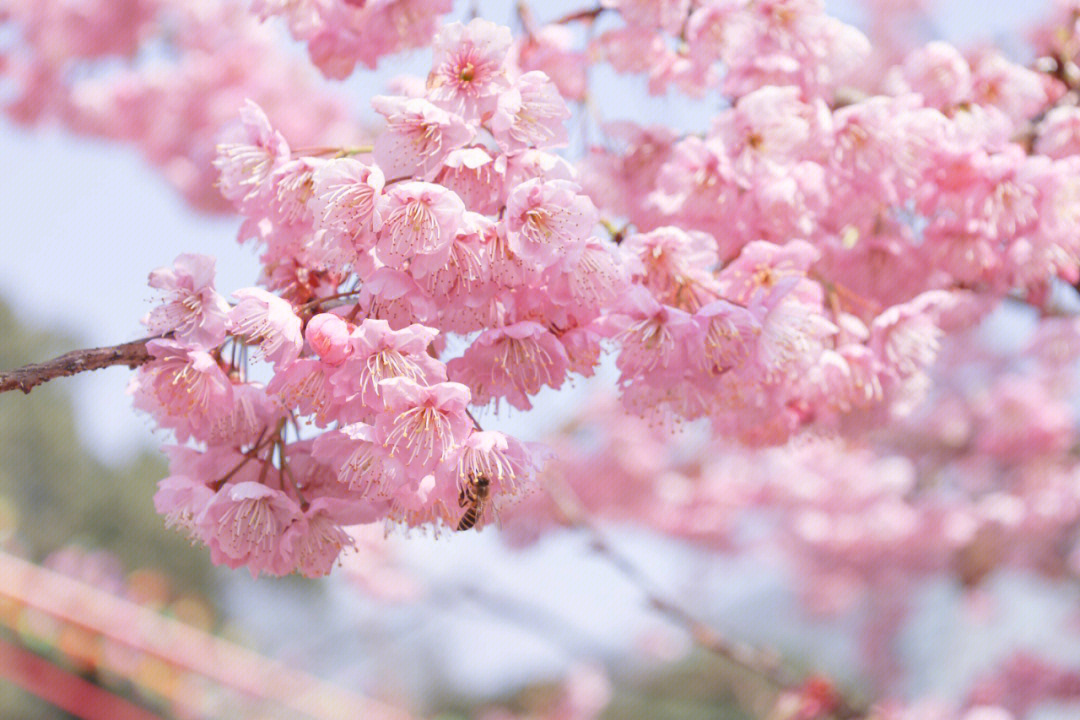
(494, 512)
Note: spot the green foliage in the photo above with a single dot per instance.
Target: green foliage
(54, 493)
(17, 704)
(701, 687)
(60, 494)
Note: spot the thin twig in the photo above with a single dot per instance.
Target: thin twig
(475, 422)
(337, 152)
(26, 378)
(578, 16)
(760, 662)
(318, 302)
(547, 625)
(524, 13)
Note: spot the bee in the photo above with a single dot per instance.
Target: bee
(474, 494)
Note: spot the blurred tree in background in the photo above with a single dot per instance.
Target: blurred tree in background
(54, 493)
(57, 493)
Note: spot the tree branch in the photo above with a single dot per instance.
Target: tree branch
(760, 662)
(28, 377)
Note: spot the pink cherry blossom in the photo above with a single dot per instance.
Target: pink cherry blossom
(546, 219)
(416, 218)
(467, 71)
(342, 33)
(503, 460)
(363, 464)
(268, 321)
(344, 198)
(180, 499)
(305, 385)
(762, 265)
(418, 136)
(998, 82)
(589, 279)
(652, 336)
(464, 276)
(667, 15)
(472, 174)
(294, 186)
(251, 411)
(728, 332)
(938, 72)
(793, 331)
(531, 113)
(582, 345)
(528, 164)
(849, 377)
(676, 266)
(244, 525)
(184, 389)
(614, 178)
(193, 310)
(512, 363)
(422, 425)
(1059, 132)
(785, 43)
(552, 51)
(394, 296)
(905, 337)
(247, 162)
(380, 353)
(315, 540)
(328, 336)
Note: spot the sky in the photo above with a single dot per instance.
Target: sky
(83, 222)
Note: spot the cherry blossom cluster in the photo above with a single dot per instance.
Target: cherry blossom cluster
(458, 218)
(685, 44)
(398, 441)
(246, 483)
(341, 33)
(980, 477)
(164, 75)
(746, 292)
(935, 174)
(820, 251)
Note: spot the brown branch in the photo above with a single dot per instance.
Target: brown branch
(528, 23)
(28, 377)
(578, 16)
(764, 663)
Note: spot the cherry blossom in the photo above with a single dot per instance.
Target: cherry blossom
(267, 321)
(546, 219)
(194, 313)
(468, 71)
(418, 137)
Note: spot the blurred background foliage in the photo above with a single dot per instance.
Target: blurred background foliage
(54, 493)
